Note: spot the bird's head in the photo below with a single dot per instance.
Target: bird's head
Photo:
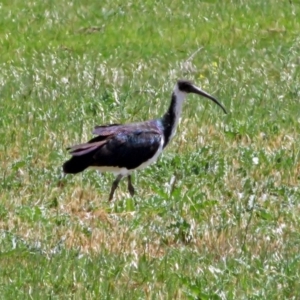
(185, 86)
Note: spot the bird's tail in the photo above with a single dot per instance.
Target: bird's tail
(82, 157)
(76, 164)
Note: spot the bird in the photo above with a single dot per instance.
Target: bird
(123, 148)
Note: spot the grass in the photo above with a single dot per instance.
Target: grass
(217, 217)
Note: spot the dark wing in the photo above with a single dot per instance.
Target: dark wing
(128, 149)
(105, 130)
(82, 149)
(82, 157)
(121, 146)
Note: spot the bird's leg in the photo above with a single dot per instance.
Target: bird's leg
(114, 186)
(130, 186)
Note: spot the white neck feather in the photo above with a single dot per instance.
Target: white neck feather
(180, 96)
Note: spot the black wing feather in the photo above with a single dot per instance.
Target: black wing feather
(128, 150)
(123, 146)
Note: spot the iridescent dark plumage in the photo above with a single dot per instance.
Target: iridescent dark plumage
(121, 148)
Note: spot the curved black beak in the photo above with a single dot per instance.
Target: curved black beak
(200, 92)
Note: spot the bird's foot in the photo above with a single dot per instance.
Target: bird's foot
(114, 186)
(130, 186)
(131, 190)
(110, 198)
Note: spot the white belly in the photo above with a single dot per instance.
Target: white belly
(114, 170)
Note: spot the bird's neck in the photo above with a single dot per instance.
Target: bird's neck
(171, 117)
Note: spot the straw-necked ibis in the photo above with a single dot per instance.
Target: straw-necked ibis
(123, 148)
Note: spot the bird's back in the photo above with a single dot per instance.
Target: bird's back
(120, 146)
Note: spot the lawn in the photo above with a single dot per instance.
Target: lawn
(217, 217)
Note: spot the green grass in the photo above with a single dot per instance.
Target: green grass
(217, 217)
